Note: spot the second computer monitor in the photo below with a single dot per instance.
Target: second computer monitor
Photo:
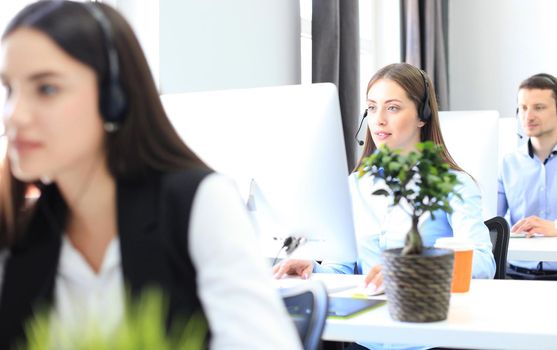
(284, 146)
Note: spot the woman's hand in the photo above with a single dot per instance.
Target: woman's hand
(374, 278)
(295, 267)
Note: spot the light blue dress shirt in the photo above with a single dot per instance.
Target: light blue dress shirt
(379, 226)
(528, 186)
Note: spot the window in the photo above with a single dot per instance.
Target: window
(379, 38)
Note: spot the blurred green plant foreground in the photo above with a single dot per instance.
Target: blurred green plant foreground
(143, 327)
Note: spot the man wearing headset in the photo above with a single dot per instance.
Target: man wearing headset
(528, 176)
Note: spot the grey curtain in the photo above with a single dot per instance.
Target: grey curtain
(424, 41)
(336, 59)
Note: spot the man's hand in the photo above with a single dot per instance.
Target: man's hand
(534, 224)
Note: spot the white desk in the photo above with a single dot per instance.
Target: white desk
(533, 249)
(494, 314)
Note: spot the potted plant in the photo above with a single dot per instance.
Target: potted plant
(143, 327)
(417, 278)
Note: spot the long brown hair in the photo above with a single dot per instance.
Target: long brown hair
(413, 82)
(146, 141)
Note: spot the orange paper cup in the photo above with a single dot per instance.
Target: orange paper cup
(462, 269)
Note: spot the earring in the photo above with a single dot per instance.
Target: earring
(110, 127)
(45, 180)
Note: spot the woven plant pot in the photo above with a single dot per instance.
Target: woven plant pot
(418, 287)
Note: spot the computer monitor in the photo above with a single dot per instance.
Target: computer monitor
(472, 138)
(284, 146)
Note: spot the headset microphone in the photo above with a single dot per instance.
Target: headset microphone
(360, 142)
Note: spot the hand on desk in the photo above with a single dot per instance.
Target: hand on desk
(533, 224)
(302, 268)
(374, 278)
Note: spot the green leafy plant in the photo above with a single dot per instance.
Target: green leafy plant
(421, 178)
(143, 327)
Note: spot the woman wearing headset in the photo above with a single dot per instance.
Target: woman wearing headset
(402, 111)
(123, 203)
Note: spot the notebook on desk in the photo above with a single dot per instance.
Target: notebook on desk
(332, 284)
(344, 307)
(338, 306)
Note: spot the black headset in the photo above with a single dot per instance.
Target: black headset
(112, 99)
(424, 113)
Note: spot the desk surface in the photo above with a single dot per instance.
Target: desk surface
(494, 314)
(533, 249)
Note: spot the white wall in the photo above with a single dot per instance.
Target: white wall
(196, 45)
(221, 44)
(494, 45)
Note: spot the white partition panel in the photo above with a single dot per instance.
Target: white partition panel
(472, 138)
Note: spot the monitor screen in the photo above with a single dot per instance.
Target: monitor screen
(472, 138)
(284, 147)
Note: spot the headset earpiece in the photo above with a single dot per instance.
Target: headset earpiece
(425, 111)
(113, 103)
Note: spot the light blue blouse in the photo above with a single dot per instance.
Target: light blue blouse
(379, 226)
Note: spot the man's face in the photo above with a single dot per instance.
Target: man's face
(537, 111)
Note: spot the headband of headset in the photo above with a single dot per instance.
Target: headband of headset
(112, 97)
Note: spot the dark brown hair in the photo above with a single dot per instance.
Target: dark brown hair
(541, 81)
(413, 82)
(146, 141)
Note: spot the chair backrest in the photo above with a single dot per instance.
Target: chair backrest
(307, 304)
(499, 233)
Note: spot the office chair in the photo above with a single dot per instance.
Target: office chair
(307, 304)
(499, 233)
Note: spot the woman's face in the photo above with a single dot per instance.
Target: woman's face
(392, 116)
(51, 112)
